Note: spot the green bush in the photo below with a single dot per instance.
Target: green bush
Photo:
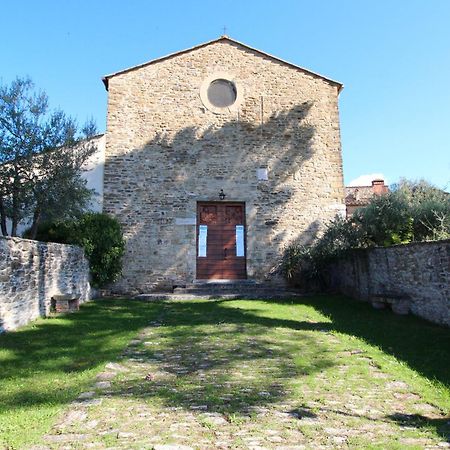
(413, 211)
(410, 212)
(101, 237)
(303, 265)
(386, 220)
(429, 208)
(53, 232)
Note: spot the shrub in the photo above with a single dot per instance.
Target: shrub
(49, 231)
(386, 220)
(303, 265)
(429, 209)
(412, 211)
(101, 237)
(293, 257)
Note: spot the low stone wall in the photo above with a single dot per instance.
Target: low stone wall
(410, 278)
(32, 272)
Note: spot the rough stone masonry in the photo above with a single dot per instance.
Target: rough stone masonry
(414, 276)
(277, 148)
(32, 272)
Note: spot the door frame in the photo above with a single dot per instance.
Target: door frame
(197, 225)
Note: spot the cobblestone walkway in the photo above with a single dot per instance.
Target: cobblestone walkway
(262, 384)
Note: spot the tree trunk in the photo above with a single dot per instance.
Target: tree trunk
(3, 218)
(15, 207)
(14, 226)
(35, 224)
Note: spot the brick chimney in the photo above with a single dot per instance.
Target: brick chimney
(379, 188)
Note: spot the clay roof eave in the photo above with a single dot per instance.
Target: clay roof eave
(106, 78)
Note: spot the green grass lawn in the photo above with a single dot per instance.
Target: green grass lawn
(48, 363)
(322, 357)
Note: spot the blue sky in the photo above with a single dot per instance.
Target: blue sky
(392, 56)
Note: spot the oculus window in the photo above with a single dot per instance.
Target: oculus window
(221, 93)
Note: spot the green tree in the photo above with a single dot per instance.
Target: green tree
(386, 220)
(41, 158)
(429, 209)
(412, 211)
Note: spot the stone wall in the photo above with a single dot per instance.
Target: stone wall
(32, 272)
(410, 278)
(166, 150)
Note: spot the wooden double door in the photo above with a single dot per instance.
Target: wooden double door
(221, 242)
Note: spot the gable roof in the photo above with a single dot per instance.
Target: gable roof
(223, 38)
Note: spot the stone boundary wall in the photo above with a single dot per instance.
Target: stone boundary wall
(409, 278)
(32, 272)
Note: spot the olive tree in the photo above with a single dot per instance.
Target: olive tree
(42, 153)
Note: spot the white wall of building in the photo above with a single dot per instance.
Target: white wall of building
(92, 173)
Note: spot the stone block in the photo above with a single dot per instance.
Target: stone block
(401, 307)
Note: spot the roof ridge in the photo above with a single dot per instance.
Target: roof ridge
(224, 37)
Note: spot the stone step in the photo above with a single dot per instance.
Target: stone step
(237, 289)
(214, 295)
(223, 289)
(216, 288)
(226, 287)
(225, 282)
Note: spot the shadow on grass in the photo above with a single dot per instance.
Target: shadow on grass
(53, 360)
(49, 361)
(225, 359)
(423, 346)
(240, 337)
(441, 426)
(211, 341)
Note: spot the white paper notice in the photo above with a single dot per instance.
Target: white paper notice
(202, 238)
(262, 174)
(239, 240)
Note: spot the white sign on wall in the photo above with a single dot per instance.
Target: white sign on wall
(202, 239)
(185, 221)
(262, 174)
(239, 240)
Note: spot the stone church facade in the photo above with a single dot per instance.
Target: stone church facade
(216, 158)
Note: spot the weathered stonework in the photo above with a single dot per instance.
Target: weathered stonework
(165, 151)
(411, 278)
(32, 272)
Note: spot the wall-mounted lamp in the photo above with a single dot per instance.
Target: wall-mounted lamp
(222, 195)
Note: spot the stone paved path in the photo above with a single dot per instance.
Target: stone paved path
(276, 388)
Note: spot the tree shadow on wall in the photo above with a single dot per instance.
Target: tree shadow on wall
(42, 279)
(164, 178)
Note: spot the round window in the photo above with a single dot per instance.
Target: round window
(221, 93)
